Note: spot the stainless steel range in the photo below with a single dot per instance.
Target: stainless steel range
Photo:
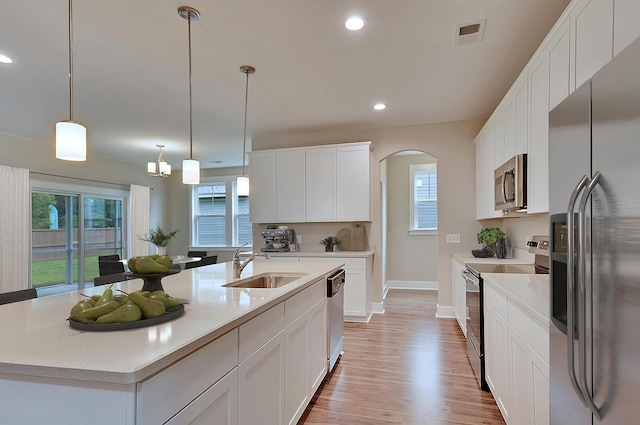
(539, 245)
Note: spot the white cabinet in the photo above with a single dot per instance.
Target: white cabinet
(509, 119)
(559, 65)
(261, 384)
(516, 360)
(321, 184)
(311, 184)
(485, 166)
(262, 172)
(592, 23)
(498, 157)
(521, 118)
(217, 405)
(358, 295)
(459, 294)
(538, 160)
(626, 28)
(290, 186)
(305, 349)
(353, 191)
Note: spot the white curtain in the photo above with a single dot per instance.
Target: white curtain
(15, 228)
(140, 210)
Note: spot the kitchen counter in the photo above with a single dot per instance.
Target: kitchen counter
(38, 341)
(529, 291)
(323, 254)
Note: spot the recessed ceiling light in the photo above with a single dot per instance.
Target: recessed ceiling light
(379, 106)
(355, 23)
(5, 59)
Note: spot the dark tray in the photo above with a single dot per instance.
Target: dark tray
(152, 281)
(169, 315)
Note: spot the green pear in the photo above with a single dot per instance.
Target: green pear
(150, 308)
(121, 298)
(80, 306)
(107, 296)
(131, 263)
(169, 303)
(129, 312)
(165, 260)
(154, 256)
(146, 265)
(161, 293)
(95, 312)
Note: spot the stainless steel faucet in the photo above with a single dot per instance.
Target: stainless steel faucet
(239, 266)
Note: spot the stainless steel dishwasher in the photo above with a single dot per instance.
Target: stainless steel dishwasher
(335, 328)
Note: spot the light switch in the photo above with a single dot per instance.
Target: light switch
(453, 237)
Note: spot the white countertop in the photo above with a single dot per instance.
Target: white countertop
(528, 291)
(37, 339)
(464, 257)
(323, 254)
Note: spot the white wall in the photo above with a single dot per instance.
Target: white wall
(409, 258)
(453, 146)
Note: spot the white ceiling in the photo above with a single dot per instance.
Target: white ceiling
(131, 75)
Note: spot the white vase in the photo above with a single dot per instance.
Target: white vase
(161, 250)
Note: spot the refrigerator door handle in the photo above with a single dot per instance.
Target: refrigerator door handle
(582, 275)
(571, 287)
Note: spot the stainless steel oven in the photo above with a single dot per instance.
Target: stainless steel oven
(539, 245)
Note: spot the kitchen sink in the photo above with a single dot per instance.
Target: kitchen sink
(266, 280)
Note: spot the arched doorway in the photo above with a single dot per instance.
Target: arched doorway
(409, 221)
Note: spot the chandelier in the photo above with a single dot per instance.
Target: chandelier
(161, 168)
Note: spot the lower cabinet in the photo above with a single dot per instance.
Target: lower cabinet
(261, 384)
(515, 351)
(217, 405)
(459, 294)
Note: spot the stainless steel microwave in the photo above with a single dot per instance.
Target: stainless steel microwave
(510, 184)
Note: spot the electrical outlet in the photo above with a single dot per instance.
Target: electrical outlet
(453, 237)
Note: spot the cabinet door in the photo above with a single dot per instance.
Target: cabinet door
(217, 405)
(503, 385)
(626, 24)
(509, 126)
(290, 183)
(490, 347)
(320, 179)
(559, 65)
(522, 118)
(540, 390)
(296, 395)
(459, 295)
(485, 166)
(521, 379)
(317, 346)
(538, 160)
(355, 287)
(353, 188)
(262, 174)
(261, 384)
(497, 159)
(593, 35)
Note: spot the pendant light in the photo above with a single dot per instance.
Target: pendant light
(71, 137)
(160, 169)
(242, 186)
(190, 167)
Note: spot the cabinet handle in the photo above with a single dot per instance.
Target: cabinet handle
(571, 286)
(582, 305)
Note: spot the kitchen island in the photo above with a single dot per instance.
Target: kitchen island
(51, 373)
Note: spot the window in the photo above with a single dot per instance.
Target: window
(424, 199)
(221, 218)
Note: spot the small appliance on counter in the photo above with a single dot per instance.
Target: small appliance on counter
(278, 240)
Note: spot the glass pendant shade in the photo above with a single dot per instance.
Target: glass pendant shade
(71, 141)
(190, 171)
(151, 167)
(242, 186)
(164, 167)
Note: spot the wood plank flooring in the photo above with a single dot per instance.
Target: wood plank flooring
(403, 367)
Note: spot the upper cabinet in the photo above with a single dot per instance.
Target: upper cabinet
(587, 36)
(626, 27)
(311, 184)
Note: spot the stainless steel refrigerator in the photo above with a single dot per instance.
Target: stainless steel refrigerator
(594, 204)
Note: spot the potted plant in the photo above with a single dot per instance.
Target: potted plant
(159, 238)
(329, 242)
(489, 238)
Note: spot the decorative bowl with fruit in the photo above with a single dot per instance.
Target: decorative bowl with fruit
(151, 269)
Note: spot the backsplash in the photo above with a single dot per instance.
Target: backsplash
(310, 233)
(518, 230)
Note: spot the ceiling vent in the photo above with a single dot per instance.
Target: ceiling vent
(469, 33)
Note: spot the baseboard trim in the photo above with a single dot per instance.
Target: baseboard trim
(424, 285)
(378, 308)
(445, 312)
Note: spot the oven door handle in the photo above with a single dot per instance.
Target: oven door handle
(470, 278)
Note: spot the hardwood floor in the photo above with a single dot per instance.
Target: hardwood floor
(403, 367)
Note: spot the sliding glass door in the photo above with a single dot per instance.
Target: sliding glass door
(69, 233)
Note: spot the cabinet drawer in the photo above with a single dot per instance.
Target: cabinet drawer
(257, 331)
(532, 331)
(166, 393)
(496, 299)
(300, 303)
